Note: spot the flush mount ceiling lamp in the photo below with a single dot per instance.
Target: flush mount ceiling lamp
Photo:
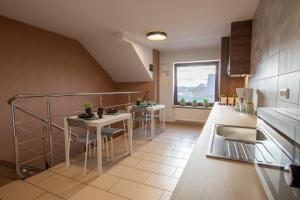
(156, 36)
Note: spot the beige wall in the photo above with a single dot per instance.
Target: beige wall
(33, 60)
(276, 54)
(152, 87)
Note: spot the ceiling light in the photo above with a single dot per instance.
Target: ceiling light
(156, 35)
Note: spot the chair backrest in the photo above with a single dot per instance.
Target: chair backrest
(78, 123)
(140, 108)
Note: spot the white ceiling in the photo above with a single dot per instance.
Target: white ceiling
(190, 24)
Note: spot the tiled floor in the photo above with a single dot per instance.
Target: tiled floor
(150, 173)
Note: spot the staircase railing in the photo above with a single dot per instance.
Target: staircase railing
(47, 125)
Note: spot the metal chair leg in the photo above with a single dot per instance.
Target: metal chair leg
(106, 143)
(112, 148)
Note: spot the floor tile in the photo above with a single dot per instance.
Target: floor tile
(166, 196)
(176, 162)
(19, 190)
(136, 191)
(129, 173)
(60, 186)
(156, 168)
(148, 156)
(183, 149)
(48, 196)
(92, 193)
(162, 182)
(129, 161)
(39, 177)
(104, 182)
(74, 169)
(178, 172)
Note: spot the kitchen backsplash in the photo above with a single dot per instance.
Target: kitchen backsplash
(275, 63)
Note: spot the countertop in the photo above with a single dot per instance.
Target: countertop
(213, 179)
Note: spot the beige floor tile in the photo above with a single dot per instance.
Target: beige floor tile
(183, 149)
(136, 191)
(178, 172)
(91, 193)
(162, 182)
(49, 196)
(156, 168)
(19, 190)
(148, 156)
(39, 177)
(176, 162)
(166, 196)
(104, 182)
(129, 161)
(74, 169)
(60, 186)
(129, 173)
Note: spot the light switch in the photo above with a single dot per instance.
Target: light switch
(285, 93)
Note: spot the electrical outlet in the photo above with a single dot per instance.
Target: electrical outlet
(285, 93)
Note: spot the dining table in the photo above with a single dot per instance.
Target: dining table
(99, 123)
(152, 109)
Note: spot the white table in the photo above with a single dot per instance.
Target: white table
(98, 124)
(162, 116)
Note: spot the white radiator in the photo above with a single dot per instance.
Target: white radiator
(196, 115)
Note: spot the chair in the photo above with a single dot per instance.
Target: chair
(111, 132)
(88, 138)
(143, 119)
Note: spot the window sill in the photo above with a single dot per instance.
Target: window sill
(193, 107)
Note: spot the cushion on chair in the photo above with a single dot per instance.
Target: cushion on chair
(82, 138)
(109, 132)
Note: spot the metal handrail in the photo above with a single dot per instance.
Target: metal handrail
(24, 96)
(48, 120)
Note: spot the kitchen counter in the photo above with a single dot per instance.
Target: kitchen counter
(207, 178)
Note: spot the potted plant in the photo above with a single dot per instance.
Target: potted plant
(230, 100)
(195, 103)
(182, 102)
(88, 108)
(138, 101)
(224, 99)
(205, 102)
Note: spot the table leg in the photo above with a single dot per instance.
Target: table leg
(66, 130)
(99, 150)
(152, 124)
(129, 124)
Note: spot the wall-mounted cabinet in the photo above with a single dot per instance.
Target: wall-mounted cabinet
(240, 48)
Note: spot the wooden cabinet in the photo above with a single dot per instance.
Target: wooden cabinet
(240, 48)
(228, 84)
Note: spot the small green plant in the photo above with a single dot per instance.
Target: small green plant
(195, 101)
(182, 101)
(87, 105)
(205, 100)
(138, 101)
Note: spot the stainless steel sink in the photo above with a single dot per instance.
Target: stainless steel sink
(235, 142)
(238, 133)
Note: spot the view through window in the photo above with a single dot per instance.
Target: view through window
(195, 81)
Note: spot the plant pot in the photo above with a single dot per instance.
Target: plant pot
(224, 100)
(88, 110)
(205, 104)
(195, 104)
(182, 103)
(231, 100)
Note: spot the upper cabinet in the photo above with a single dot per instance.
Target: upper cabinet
(240, 48)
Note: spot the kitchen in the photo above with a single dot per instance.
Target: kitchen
(210, 111)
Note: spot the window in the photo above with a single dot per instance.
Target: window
(195, 81)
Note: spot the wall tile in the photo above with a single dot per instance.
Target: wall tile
(290, 81)
(285, 107)
(272, 66)
(295, 57)
(285, 56)
(271, 88)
